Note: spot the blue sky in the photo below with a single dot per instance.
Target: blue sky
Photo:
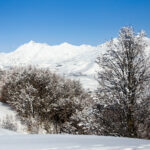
(73, 21)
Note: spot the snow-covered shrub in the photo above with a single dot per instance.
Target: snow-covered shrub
(109, 120)
(9, 123)
(142, 116)
(112, 120)
(79, 123)
(42, 96)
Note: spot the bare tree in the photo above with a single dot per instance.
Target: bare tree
(124, 76)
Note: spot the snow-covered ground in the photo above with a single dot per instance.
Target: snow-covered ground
(12, 141)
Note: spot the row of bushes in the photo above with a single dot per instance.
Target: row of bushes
(43, 99)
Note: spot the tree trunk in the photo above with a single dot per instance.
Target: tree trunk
(131, 124)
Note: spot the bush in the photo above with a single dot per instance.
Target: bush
(112, 120)
(43, 96)
(109, 120)
(9, 123)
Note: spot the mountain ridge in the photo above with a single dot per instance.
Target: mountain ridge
(77, 62)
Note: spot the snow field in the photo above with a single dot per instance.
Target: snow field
(11, 141)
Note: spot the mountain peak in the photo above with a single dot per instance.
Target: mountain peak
(66, 44)
(31, 42)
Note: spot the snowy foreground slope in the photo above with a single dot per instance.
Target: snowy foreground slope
(12, 141)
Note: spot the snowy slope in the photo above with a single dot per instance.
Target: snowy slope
(13, 141)
(74, 61)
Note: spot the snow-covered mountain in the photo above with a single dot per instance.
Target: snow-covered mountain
(72, 61)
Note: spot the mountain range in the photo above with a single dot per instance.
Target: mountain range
(76, 62)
